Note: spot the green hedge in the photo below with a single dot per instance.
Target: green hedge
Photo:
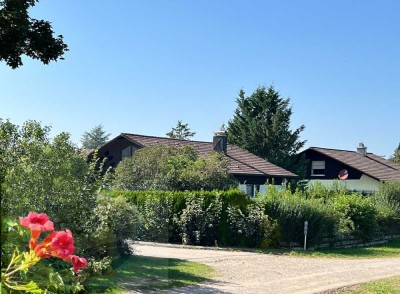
(178, 198)
(335, 215)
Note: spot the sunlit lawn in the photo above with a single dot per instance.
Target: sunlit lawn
(139, 273)
(389, 249)
(385, 286)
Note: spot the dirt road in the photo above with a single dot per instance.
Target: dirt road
(245, 272)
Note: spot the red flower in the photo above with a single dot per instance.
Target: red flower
(36, 223)
(59, 244)
(78, 262)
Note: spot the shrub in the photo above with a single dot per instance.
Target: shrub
(291, 210)
(165, 167)
(198, 222)
(360, 212)
(157, 215)
(251, 227)
(115, 221)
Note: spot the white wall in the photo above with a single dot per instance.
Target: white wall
(364, 184)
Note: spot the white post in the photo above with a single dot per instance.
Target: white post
(305, 234)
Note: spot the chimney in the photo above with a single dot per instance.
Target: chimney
(361, 149)
(220, 141)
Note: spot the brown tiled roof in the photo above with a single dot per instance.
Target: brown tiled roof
(371, 164)
(241, 162)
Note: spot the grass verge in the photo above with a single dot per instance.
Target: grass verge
(149, 273)
(389, 249)
(385, 286)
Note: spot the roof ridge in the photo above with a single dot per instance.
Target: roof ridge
(165, 138)
(338, 149)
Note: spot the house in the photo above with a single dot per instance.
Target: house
(251, 171)
(360, 170)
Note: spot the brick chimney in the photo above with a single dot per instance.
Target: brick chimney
(361, 149)
(220, 141)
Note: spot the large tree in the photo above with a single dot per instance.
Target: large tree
(20, 34)
(181, 131)
(95, 138)
(261, 125)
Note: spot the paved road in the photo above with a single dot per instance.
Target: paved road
(245, 272)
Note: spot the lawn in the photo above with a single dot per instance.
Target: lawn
(385, 286)
(389, 249)
(149, 273)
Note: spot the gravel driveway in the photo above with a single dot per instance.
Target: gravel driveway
(245, 272)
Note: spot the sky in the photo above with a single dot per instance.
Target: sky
(140, 66)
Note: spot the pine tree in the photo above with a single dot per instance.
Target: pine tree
(95, 138)
(181, 131)
(261, 125)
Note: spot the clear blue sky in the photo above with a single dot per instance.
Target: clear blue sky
(139, 66)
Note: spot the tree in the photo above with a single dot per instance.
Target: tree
(261, 125)
(94, 139)
(21, 34)
(165, 167)
(396, 156)
(181, 131)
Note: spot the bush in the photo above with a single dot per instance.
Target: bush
(251, 227)
(360, 212)
(165, 167)
(115, 221)
(163, 205)
(157, 213)
(198, 222)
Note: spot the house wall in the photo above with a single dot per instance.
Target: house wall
(365, 184)
(250, 184)
(113, 151)
(332, 167)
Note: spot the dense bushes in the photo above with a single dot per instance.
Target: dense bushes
(232, 219)
(47, 175)
(164, 167)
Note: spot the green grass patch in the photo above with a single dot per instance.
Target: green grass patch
(389, 249)
(149, 273)
(385, 286)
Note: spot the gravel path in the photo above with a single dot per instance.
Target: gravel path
(246, 272)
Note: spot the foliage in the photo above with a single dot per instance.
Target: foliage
(161, 206)
(251, 227)
(360, 212)
(317, 190)
(20, 34)
(387, 202)
(181, 132)
(199, 221)
(261, 125)
(396, 155)
(164, 167)
(95, 138)
(291, 210)
(25, 271)
(157, 213)
(51, 175)
(115, 221)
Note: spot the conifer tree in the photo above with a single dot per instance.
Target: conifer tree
(181, 131)
(95, 138)
(261, 125)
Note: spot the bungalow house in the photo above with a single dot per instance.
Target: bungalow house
(251, 171)
(360, 170)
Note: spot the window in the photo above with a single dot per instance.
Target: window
(127, 152)
(318, 168)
